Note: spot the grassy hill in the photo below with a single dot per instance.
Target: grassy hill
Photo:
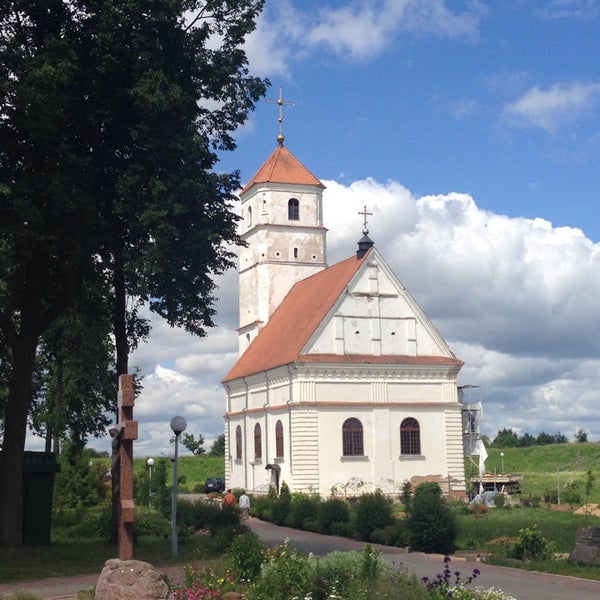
(546, 467)
(192, 469)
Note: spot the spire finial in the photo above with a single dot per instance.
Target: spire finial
(281, 103)
(364, 213)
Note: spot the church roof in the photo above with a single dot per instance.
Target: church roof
(283, 167)
(297, 318)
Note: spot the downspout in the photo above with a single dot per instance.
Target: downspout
(289, 405)
(244, 419)
(265, 406)
(228, 428)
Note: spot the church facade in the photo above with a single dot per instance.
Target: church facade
(343, 384)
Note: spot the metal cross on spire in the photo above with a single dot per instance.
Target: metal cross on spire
(281, 103)
(365, 213)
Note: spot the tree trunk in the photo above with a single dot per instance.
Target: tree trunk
(13, 447)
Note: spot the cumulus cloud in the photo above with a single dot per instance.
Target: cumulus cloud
(356, 30)
(550, 109)
(515, 298)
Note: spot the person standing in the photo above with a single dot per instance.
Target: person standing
(244, 504)
(229, 500)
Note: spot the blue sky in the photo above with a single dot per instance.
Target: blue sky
(471, 130)
(500, 100)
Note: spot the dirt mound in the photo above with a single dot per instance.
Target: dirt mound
(590, 509)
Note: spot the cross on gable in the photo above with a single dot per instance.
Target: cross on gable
(281, 103)
(365, 213)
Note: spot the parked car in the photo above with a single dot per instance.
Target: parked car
(214, 484)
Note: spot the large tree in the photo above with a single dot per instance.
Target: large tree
(112, 113)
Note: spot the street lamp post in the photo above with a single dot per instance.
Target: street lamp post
(150, 463)
(502, 461)
(178, 425)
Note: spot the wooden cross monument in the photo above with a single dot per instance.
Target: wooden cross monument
(126, 430)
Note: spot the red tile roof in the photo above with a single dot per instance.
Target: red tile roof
(283, 167)
(295, 320)
(282, 339)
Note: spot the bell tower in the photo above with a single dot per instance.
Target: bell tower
(282, 224)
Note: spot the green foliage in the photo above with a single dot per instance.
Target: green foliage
(507, 438)
(372, 511)
(285, 574)
(195, 446)
(397, 534)
(532, 545)
(304, 511)
(280, 509)
(581, 436)
(79, 483)
(245, 556)
(334, 517)
(140, 96)
(406, 495)
(218, 447)
(432, 523)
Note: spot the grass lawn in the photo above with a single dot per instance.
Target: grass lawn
(68, 556)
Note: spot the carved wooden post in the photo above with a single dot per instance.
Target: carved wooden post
(127, 431)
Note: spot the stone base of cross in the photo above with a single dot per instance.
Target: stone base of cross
(127, 431)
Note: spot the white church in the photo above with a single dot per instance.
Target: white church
(343, 385)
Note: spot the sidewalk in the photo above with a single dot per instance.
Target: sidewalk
(63, 588)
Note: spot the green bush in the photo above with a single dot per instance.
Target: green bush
(531, 545)
(282, 505)
(431, 522)
(150, 523)
(96, 523)
(334, 517)
(245, 556)
(372, 511)
(285, 574)
(303, 512)
(397, 534)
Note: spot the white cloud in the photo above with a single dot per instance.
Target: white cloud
(356, 30)
(550, 109)
(515, 298)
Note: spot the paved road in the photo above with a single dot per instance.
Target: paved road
(522, 585)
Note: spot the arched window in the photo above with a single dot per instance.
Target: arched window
(410, 437)
(257, 441)
(238, 443)
(279, 439)
(293, 209)
(352, 438)
(249, 216)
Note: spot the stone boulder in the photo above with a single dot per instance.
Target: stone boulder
(130, 580)
(587, 547)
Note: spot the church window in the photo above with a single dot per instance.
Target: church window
(257, 441)
(295, 252)
(249, 216)
(410, 437)
(238, 443)
(352, 437)
(279, 439)
(293, 209)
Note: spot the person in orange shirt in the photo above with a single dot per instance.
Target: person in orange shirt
(228, 500)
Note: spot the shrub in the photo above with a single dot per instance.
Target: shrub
(432, 524)
(532, 545)
(282, 505)
(372, 511)
(284, 574)
(397, 534)
(304, 510)
(245, 556)
(334, 517)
